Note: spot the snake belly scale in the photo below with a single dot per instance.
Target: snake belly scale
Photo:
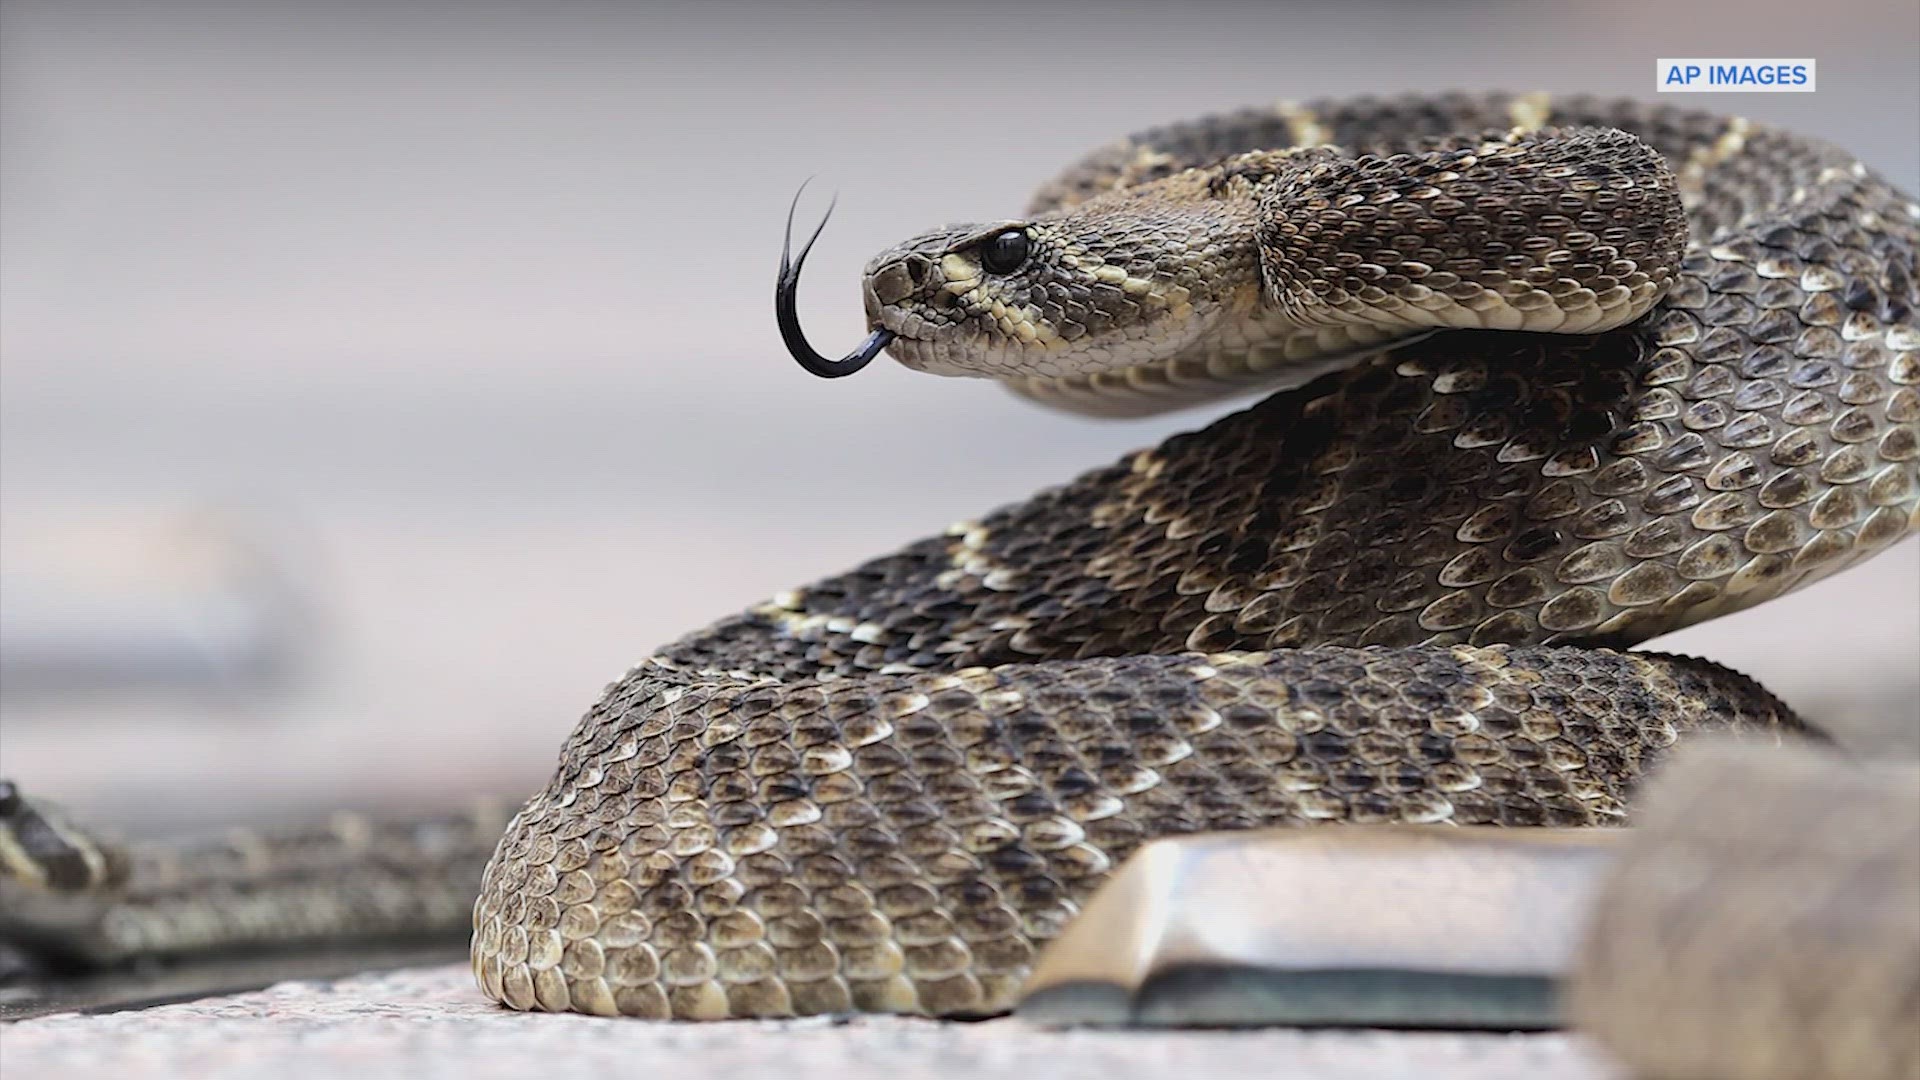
(1671, 373)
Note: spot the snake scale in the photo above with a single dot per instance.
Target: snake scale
(1546, 378)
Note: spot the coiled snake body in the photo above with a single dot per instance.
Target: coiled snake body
(1670, 370)
(1388, 595)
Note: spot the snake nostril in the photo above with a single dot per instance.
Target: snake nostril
(917, 271)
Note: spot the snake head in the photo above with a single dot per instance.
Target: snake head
(43, 849)
(1105, 286)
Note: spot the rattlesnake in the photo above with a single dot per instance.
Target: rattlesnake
(1387, 595)
(1548, 378)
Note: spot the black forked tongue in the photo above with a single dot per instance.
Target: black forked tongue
(786, 291)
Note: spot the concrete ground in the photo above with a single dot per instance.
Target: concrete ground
(431, 1022)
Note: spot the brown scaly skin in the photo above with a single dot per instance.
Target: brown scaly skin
(1377, 597)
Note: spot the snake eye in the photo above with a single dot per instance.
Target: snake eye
(1004, 252)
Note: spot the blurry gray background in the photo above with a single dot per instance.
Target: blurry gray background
(449, 323)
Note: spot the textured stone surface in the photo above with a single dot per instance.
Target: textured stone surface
(430, 1022)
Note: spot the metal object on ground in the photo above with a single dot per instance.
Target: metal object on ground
(1395, 926)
